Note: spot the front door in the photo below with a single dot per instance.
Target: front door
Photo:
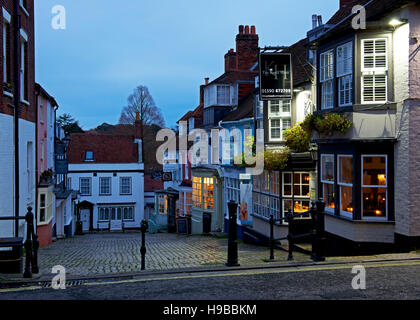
(116, 219)
(85, 218)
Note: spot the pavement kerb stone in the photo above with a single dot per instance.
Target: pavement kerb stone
(45, 278)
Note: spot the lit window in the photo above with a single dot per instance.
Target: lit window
(163, 204)
(327, 180)
(345, 182)
(374, 187)
(203, 193)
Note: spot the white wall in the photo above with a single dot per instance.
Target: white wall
(137, 196)
(27, 180)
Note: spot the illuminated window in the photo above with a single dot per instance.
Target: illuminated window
(203, 193)
(296, 192)
(374, 187)
(345, 182)
(163, 204)
(327, 181)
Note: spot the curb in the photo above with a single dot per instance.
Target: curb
(127, 276)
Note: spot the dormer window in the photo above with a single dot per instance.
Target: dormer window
(89, 156)
(223, 95)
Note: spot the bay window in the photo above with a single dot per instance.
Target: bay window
(223, 95)
(296, 192)
(163, 204)
(374, 187)
(328, 181)
(203, 193)
(345, 183)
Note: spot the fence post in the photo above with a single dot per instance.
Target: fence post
(271, 238)
(232, 243)
(29, 218)
(143, 250)
(318, 245)
(290, 235)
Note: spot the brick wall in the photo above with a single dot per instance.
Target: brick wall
(26, 112)
(247, 48)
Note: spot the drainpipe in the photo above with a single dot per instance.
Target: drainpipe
(16, 23)
(36, 160)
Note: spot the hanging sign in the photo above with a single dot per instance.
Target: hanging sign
(275, 76)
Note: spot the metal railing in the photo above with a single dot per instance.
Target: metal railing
(318, 229)
(31, 244)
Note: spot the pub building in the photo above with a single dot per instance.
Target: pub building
(294, 188)
(368, 175)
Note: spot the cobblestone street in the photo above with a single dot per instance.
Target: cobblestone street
(107, 253)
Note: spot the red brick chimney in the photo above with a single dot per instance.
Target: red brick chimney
(230, 60)
(247, 48)
(138, 132)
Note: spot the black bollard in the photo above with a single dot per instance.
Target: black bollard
(144, 226)
(318, 246)
(232, 243)
(29, 218)
(271, 238)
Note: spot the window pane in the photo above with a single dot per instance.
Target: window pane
(287, 177)
(346, 170)
(374, 202)
(374, 171)
(329, 195)
(327, 166)
(347, 199)
(288, 190)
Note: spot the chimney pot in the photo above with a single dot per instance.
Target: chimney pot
(241, 29)
(246, 29)
(206, 81)
(253, 30)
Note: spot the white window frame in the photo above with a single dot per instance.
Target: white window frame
(101, 181)
(372, 186)
(326, 155)
(89, 184)
(130, 179)
(7, 18)
(225, 100)
(343, 184)
(23, 71)
(374, 71)
(345, 73)
(326, 76)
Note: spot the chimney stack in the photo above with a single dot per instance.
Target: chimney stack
(314, 21)
(138, 132)
(206, 81)
(247, 48)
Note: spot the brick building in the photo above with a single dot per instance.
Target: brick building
(17, 152)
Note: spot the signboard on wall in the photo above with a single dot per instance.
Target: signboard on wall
(275, 76)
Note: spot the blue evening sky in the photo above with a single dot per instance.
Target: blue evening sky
(110, 47)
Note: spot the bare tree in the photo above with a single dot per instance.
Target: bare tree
(142, 101)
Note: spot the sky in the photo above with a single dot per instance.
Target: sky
(110, 47)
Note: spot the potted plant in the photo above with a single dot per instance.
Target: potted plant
(47, 176)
